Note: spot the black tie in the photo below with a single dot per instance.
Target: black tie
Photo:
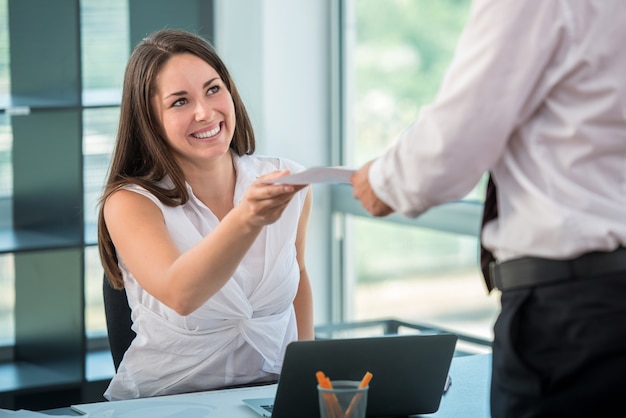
(490, 212)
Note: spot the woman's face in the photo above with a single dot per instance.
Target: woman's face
(195, 108)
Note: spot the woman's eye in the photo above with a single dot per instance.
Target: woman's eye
(213, 90)
(179, 102)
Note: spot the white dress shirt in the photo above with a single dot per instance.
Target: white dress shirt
(536, 94)
(237, 336)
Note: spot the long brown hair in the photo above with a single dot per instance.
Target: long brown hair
(142, 154)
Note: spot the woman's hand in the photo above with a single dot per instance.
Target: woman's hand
(264, 202)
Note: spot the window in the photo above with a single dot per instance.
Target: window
(7, 294)
(7, 300)
(105, 47)
(426, 270)
(99, 126)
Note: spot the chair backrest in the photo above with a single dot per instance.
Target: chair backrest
(118, 320)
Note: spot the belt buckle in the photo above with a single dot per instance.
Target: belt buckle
(494, 275)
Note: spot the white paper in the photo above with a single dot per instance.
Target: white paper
(317, 175)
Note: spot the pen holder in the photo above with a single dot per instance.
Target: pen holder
(344, 400)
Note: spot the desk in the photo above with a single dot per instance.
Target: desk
(468, 396)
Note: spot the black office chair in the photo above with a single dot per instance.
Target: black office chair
(119, 321)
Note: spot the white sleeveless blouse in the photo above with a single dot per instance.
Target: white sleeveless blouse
(240, 334)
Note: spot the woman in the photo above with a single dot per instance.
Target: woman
(211, 253)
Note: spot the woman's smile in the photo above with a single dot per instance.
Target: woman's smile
(195, 107)
(207, 134)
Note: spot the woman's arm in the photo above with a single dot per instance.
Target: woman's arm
(303, 303)
(184, 281)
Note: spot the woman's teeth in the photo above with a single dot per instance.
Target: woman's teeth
(207, 134)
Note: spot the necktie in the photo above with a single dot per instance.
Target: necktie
(490, 212)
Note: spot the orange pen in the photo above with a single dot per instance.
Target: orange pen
(364, 382)
(332, 404)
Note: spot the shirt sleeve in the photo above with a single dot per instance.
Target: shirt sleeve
(488, 91)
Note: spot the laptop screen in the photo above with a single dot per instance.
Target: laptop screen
(409, 373)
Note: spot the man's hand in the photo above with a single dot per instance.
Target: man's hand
(363, 192)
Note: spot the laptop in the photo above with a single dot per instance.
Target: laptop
(409, 374)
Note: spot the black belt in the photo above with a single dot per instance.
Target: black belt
(533, 271)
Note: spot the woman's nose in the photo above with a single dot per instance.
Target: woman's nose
(203, 111)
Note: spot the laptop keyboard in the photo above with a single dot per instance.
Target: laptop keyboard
(268, 408)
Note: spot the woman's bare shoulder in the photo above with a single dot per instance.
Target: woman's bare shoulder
(129, 203)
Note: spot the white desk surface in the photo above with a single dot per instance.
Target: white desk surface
(468, 396)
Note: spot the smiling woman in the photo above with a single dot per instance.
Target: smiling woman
(196, 110)
(214, 268)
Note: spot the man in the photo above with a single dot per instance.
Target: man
(536, 95)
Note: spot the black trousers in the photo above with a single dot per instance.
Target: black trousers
(560, 350)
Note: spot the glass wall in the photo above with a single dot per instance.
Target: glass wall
(7, 300)
(395, 56)
(7, 293)
(105, 48)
